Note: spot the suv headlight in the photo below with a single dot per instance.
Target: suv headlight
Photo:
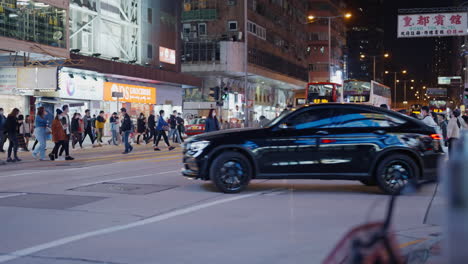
(194, 149)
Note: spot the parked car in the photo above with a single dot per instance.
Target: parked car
(196, 126)
(326, 141)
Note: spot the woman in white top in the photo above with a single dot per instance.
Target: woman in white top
(26, 130)
(455, 125)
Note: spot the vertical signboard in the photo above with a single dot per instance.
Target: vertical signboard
(432, 25)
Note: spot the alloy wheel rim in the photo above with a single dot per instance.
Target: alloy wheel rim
(397, 174)
(232, 174)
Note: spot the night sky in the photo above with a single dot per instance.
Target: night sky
(414, 54)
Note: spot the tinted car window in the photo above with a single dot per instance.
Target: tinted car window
(346, 118)
(317, 118)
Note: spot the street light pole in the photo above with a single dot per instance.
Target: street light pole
(394, 88)
(329, 50)
(246, 69)
(374, 68)
(404, 96)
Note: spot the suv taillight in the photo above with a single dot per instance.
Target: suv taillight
(436, 136)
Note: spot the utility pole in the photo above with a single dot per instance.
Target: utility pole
(246, 67)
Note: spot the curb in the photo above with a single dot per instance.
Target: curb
(420, 252)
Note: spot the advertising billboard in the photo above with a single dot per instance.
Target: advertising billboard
(432, 25)
(436, 92)
(131, 93)
(448, 80)
(167, 55)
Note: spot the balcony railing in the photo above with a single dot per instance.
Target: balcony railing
(200, 14)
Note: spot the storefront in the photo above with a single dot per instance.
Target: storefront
(10, 96)
(80, 90)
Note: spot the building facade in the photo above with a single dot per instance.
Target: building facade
(89, 49)
(365, 41)
(214, 34)
(326, 41)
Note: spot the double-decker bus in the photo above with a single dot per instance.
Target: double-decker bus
(438, 99)
(323, 92)
(370, 93)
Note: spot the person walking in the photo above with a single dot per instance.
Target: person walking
(59, 136)
(427, 117)
(126, 128)
(114, 127)
(162, 127)
(2, 129)
(211, 123)
(27, 130)
(173, 132)
(100, 123)
(455, 125)
(65, 119)
(88, 127)
(180, 127)
(20, 134)
(263, 121)
(141, 127)
(151, 128)
(40, 132)
(76, 130)
(12, 133)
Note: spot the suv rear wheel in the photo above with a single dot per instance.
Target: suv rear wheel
(394, 171)
(231, 172)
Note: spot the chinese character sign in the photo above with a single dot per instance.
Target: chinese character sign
(432, 25)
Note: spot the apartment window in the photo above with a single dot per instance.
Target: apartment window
(149, 51)
(186, 28)
(202, 29)
(257, 30)
(232, 25)
(150, 15)
(231, 2)
(318, 67)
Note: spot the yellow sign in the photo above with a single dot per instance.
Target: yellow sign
(318, 101)
(131, 93)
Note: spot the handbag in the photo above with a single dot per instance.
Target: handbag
(165, 128)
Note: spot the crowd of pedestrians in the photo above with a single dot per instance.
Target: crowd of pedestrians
(17, 130)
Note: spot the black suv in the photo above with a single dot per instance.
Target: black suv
(326, 141)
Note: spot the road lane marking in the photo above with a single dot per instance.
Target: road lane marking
(11, 195)
(70, 239)
(19, 174)
(109, 157)
(407, 244)
(134, 157)
(131, 177)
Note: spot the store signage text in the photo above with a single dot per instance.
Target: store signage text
(432, 25)
(131, 93)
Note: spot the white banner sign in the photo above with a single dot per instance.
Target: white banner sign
(79, 88)
(432, 25)
(7, 80)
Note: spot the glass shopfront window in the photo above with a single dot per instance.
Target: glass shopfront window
(33, 21)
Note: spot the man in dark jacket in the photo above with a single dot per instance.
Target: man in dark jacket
(174, 133)
(151, 128)
(88, 126)
(126, 130)
(180, 125)
(2, 129)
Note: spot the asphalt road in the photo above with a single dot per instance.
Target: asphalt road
(106, 207)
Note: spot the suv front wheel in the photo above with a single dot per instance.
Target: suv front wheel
(231, 172)
(394, 172)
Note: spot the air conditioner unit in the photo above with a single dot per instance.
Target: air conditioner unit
(239, 35)
(193, 35)
(194, 27)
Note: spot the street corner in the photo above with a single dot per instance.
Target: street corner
(424, 250)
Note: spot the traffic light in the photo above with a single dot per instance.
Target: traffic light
(214, 93)
(224, 95)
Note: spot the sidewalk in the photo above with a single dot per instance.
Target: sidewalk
(427, 244)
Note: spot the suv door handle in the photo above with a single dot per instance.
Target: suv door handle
(380, 132)
(322, 132)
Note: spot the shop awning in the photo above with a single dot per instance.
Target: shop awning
(136, 71)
